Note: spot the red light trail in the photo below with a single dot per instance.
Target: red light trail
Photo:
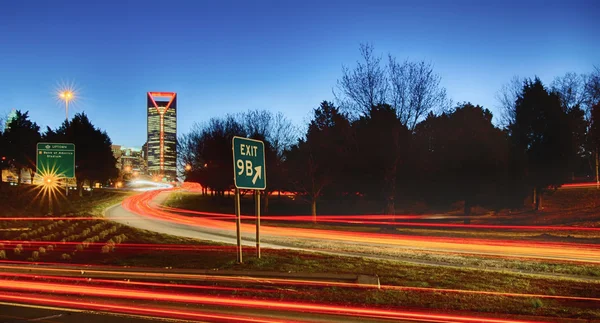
(242, 279)
(370, 219)
(142, 205)
(137, 309)
(150, 295)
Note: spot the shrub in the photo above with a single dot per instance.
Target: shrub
(50, 248)
(18, 249)
(35, 255)
(42, 250)
(105, 249)
(2, 254)
(65, 256)
(79, 247)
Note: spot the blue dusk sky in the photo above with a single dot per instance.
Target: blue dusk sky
(230, 56)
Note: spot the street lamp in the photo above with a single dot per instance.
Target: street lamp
(67, 96)
(188, 167)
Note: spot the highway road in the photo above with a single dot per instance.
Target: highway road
(143, 211)
(49, 293)
(65, 293)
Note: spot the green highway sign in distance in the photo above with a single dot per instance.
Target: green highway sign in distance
(56, 158)
(249, 164)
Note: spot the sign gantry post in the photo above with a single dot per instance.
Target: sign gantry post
(248, 173)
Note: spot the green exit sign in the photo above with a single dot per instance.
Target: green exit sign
(57, 158)
(249, 164)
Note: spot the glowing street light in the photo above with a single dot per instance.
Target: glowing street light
(188, 167)
(67, 96)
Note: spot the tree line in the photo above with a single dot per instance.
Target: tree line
(94, 160)
(393, 136)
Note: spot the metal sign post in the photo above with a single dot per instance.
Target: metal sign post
(257, 212)
(238, 225)
(249, 173)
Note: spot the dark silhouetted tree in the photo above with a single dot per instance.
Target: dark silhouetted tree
(20, 138)
(383, 149)
(94, 160)
(207, 148)
(465, 157)
(317, 161)
(593, 138)
(542, 139)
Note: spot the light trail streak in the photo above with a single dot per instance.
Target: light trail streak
(138, 283)
(589, 253)
(284, 282)
(230, 301)
(56, 218)
(128, 246)
(370, 219)
(140, 310)
(580, 185)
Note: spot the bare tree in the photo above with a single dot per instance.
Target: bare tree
(571, 89)
(279, 134)
(276, 128)
(507, 97)
(363, 87)
(415, 90)
(283, 134)
(592, 87)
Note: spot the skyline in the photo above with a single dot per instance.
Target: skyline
(232, 57)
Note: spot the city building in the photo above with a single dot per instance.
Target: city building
(161, 144)
(130, 161)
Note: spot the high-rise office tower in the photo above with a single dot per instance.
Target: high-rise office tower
(162, 135)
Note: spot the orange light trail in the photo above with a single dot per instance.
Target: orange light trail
(134, 283)
(142, 205)
(136, 309)
(262, 280)
(54, 218)
(56, 288)
(137, 246)
(370, 219)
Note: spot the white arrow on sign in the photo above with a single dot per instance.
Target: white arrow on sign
(257, 174)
